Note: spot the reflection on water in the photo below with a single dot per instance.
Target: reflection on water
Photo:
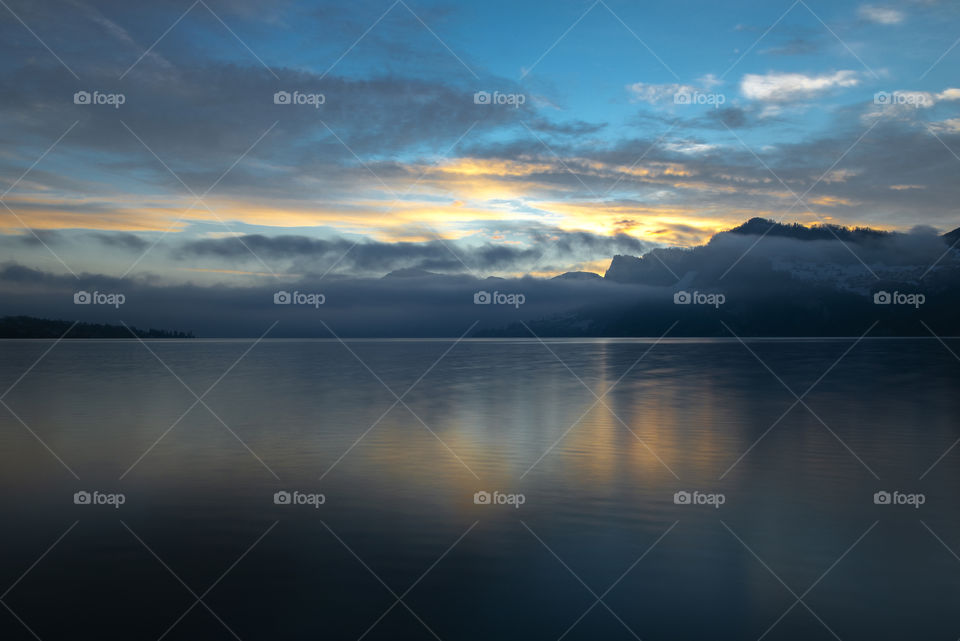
(597, 437)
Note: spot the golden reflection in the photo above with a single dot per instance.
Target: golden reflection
(662, 418)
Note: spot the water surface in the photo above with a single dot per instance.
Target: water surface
(598, 480)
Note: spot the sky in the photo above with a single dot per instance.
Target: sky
(242, 142)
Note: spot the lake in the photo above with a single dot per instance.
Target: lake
(575, 489)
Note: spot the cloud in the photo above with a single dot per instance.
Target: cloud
(784, 87)
(924, 99)
(710, 81)
(573, 128)
(203, 105)
(654, 181)
(690, 147)
(774, 267)
(904, 106)
(531, 248)
(415, 306)
(724, 118)
(797, 46)
(881, 15)
(130, 242)
(949, 126)
(655, 94)
(949, 94)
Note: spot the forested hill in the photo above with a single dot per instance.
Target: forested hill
(29, 327)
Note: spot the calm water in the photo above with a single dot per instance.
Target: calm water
(798, 517)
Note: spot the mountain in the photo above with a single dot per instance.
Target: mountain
(578, 276)
(411, 272)
(415, 273)
(765, 227)
(650, 269)
(776, 280)
(952, 237)
(761, 250)
(29, 327)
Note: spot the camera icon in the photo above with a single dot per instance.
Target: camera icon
(82, 298)
(281, 498)
(681, 298)
(281, 98)
(681, 498)
(81, 98)
(881, 498)
(481, 98)
(481, 498)
(282, 298)
(882, 98)
(882, 298)
(482, 298)
(681, 98)
(81, 498)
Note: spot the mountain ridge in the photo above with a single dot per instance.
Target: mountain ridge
(777, 280)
